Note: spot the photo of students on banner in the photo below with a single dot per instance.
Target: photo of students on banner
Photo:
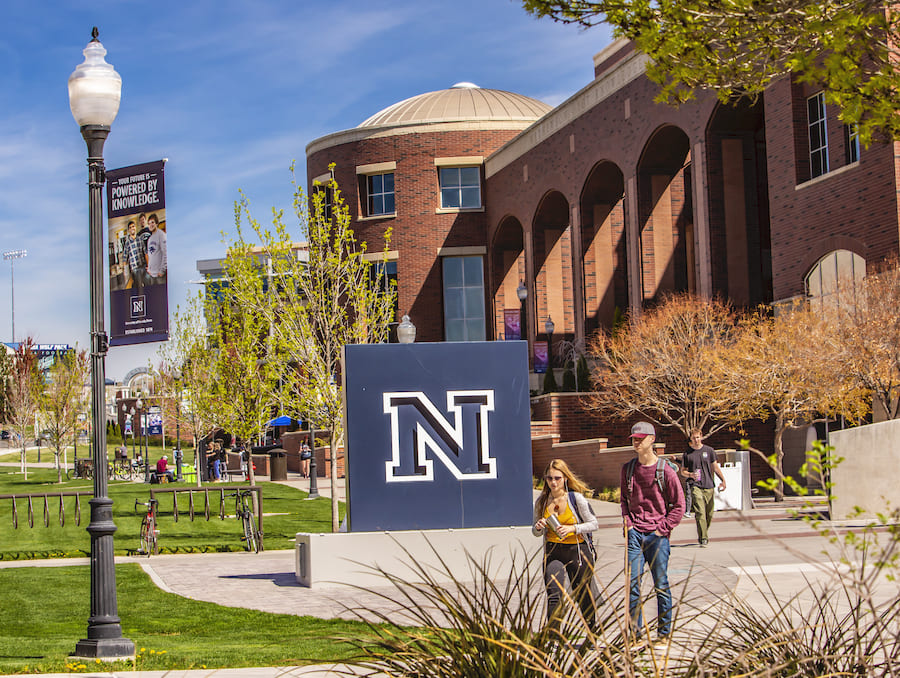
(138, 254)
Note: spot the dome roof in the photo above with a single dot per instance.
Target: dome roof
(463, 101)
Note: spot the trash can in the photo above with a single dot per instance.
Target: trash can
(736, 469)
(277, 464)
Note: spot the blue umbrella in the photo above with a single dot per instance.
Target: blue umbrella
(283, 420)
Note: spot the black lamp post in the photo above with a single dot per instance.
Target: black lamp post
(178, 476)
(548, 328)
(95, 90)
(313, 478)
(145, 452)
(522, 293)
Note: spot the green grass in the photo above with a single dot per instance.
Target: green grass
(292, 514)
(45, 612)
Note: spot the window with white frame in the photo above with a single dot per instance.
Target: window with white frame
(460, 187)
(463, 281)
(852, 134)
(380, 194)
(818, 135)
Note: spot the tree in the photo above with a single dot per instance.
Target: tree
(777, 366)
(663, 366)
(183, 373)
(739, 47)
(323, 297)
(864, 333)
(25, 387)
(248, 375)
(62, 398)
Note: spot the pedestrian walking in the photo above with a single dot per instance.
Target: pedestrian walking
(565, 520)
(652, 506)
(698, 465)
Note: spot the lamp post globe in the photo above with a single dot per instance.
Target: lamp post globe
(95, 90)
(406, 331)
(548, 328)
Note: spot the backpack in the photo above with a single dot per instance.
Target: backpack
(660, 479)
(588, 536)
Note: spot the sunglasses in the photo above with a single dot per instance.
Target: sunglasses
(555, 479)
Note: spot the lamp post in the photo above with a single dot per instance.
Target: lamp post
(95, 90)
(145, 452)
(11, 256)
(522, 293)
(313, 478)
(177, 452)
(548, 328)
(406, 331)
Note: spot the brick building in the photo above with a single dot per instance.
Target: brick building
(608, 200)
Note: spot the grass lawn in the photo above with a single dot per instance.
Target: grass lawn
(45, 612)
(285, 512)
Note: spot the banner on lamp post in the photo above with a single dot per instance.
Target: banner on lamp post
(512, 326)
(541, 357)
(138, 262)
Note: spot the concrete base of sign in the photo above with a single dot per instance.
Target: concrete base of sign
(357, 557)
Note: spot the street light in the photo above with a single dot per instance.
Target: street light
(522, 293)
(177, 375)
(11, 256)
(142, 420)
(406, 331)
(95, 90)
(548, 328)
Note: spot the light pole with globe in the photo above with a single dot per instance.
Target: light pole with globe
(95, 90)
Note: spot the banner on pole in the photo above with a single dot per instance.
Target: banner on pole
(138, 262)
(511, 324)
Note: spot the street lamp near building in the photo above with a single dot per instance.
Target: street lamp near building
(522, 293)
(406, 331)
(548, 328)
(95, 90)
(11, 256)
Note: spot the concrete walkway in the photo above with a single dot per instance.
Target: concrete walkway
(765, 544)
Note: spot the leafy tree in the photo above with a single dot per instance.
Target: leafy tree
(324, 296)
(24, 395)
(183, 373)
(739, 47)
(62, 398)
(776, 366)
(247, 373)
(663, 366)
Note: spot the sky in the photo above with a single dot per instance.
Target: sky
(230, 92)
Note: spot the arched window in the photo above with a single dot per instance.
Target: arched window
(838, 266)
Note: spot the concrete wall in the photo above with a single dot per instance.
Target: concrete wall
(349, 557)
(869, 476)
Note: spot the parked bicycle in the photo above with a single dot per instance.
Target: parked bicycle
(149, 531)
(121, 469)
(243, 508)
(82, 469)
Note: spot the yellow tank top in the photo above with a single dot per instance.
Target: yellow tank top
(566, 518)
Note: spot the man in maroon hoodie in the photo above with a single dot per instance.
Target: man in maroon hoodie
(650, 515)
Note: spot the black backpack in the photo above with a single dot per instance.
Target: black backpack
(660, 479)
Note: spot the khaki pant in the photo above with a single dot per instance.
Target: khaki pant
(702, 506)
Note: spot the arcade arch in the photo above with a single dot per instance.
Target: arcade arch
(507, 272)
(553, 285)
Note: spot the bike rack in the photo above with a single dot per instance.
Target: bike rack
(45, 501)
(175, 491)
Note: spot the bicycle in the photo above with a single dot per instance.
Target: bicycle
(149, 531)
(121, 469)
(243, 509)
(83, 469)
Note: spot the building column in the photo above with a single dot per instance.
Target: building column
(701, 220)
(633, 244)
(577, 271)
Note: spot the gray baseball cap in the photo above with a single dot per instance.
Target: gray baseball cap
(642, 429)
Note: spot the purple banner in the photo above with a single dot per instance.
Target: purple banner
(138, 261)
(540, 357)
(511, 324)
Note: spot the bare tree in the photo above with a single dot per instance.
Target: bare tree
(864, 333)
(778, 367)
(62, 398)
(25, 386)
(663, 366)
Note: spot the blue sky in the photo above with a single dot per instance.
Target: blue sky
(231, 92)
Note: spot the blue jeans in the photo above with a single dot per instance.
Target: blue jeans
(653, 550)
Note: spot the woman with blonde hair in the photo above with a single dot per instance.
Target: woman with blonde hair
(563, 517)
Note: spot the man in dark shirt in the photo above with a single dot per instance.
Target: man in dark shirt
(697, 467)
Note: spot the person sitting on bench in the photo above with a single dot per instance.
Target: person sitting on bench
(162, 470)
